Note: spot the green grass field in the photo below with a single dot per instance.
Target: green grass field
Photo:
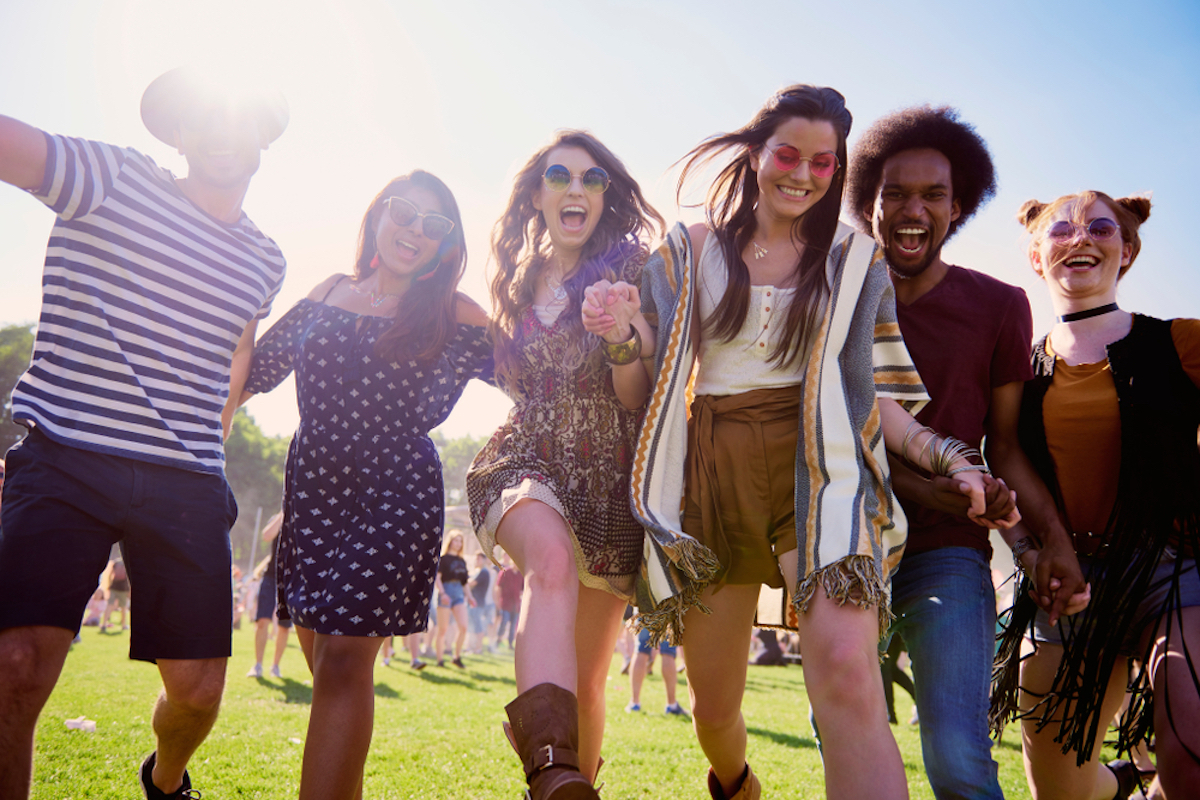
(437, 733)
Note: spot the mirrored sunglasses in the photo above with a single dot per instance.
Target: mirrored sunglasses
(822, 165)
(558, 179)
(403, 212)
(1099, 230)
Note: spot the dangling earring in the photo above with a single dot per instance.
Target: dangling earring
(429, 274)
(375, 262)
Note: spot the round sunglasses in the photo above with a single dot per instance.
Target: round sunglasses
(822, 165)
(558, 179)
(404, 212)
(1099, 230)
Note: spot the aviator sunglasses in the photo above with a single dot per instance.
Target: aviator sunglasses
(1099, 230)
(558, 179)
(822, 165)
(403, 212)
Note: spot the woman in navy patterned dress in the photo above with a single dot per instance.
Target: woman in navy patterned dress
(380, 359)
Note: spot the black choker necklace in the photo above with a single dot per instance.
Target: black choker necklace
(1075, 316)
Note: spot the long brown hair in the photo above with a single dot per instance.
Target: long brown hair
(520, 246)
(730, 214)
(425, 321)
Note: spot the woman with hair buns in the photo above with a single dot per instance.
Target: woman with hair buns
(551, 487)
(1110, 421)
(381, 357)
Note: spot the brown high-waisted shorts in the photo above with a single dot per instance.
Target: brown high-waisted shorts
(741, 481)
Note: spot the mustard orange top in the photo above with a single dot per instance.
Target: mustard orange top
(1083, 429)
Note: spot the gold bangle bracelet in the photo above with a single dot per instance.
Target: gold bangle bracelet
(625, 352)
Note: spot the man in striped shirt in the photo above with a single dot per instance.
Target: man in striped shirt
(151, 285)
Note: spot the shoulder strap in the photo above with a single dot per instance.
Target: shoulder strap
(336, 284)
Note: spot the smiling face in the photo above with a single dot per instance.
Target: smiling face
(914, 209)
(1081, 268)
(784, 196)
(404, 250)
(572, 215)
(222, 144)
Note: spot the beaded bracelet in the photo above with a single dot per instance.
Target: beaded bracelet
(625, 352)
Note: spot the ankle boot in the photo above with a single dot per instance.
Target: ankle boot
(750, 789)
(545, 731)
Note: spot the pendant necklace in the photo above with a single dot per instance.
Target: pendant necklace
(375, 297)
(759, 250)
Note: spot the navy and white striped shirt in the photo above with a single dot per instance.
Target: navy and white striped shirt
(144, 298)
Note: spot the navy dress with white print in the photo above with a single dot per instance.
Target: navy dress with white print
(363, 498)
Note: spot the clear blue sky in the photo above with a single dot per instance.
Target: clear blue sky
(1069, 95)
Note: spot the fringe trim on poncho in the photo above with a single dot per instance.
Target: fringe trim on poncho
(855, 580)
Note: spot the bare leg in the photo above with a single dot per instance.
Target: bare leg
(839, 647)
(1051, 774)
(716, 645)
(537, 539)
(262, 629)
(31, 659)
(1177, 706)
(460, 636)
(637, 676)
(342, 717)
(184, 714)
(439, 638)
(281, 640)
(413, 642)
(307, 640)
(670, 677)
(597, 624)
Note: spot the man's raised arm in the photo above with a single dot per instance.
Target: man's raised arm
(22, 154)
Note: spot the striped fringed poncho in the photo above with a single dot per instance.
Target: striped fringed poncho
(850, 531)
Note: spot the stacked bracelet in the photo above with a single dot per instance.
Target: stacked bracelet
(625, 352)
(943, 451)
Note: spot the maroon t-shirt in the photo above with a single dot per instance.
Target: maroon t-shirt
(967, 335)
(511, 584)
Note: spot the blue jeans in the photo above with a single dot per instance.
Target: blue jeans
(945, 611)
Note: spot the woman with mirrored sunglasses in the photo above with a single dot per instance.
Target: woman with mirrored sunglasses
(784, 321)
(381, 357)
(1110, 420)
(551, 487)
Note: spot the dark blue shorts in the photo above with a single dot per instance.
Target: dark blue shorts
(268, 599)
(63, 510)
(643, 645)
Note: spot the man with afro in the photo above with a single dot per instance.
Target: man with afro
(916, 176)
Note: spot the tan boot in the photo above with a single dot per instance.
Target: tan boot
(750, 789)
(545, 731)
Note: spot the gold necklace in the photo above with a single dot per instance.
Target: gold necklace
(759, 250)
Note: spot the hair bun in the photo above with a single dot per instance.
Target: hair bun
(1029, 212)
(1138, 206)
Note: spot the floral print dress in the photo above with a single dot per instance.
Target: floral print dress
(568, 442)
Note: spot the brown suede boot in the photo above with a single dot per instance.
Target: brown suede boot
(750, 789)
(545, 730)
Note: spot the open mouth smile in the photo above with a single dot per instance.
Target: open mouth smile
(910, 239)
(573, 218)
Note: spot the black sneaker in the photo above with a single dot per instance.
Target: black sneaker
(152, 792)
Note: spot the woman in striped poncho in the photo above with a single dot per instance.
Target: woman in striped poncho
(785, 321)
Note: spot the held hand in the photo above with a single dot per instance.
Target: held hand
(972, 485)
(609, 309)
(596, 318)
(1059, 587)
(1001, 510)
